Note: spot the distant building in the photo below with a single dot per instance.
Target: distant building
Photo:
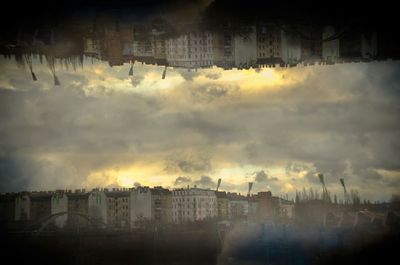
(112, 47)
(222, 205)
(77, 203)
(118, 204)
(286, 209)
(330, 45)
(141, 210)
(158, 47)
(59, 204)
(7, 207)
(311, 45)
(357, 46)
(238, 206)
(22, 206)
(97, 205)
(190, 50)
(193, 204)
(245, 45)
(92, 47)
(40, 205)
(269, 47)
(150, 205)
(161, 205)
(290, 47)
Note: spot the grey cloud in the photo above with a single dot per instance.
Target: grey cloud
(181, 180)
(261, 176)
(188, 163)
(205, 182)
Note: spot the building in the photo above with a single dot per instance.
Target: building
(357, 46)
(78, 203)
(140, 210)
(286, 209)
(245, 45)
(150, 205)
(269, 50)
(158, 47)
(190, 50)
(330, 45)
(7, 207)
(238, 206)
(222, 205)
(118, 204)
(290, 47)
(112, 47)
(92, 47)
(40, 206)
(193, 204)
(161, 205)
(59, 204)
(97, 206)
(311, 45)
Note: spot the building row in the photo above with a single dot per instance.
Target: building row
(141, 206)
(262, 45)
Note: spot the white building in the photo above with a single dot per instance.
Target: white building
(245, 49)
(193, 204)
(191, 50)
(59, 204)
(140, 206)
(150, 205)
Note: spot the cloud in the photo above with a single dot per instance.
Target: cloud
(181, 180)
(261, 176)
(340, 120)
(205, 182)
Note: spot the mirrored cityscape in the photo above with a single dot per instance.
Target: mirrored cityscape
(199, 132)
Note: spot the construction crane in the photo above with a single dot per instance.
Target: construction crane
(345, 194)
(325, 193)
(250, 186)
(219, 184)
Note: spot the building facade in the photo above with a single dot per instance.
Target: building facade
(190, 50)
(118, 205)
(193, 204)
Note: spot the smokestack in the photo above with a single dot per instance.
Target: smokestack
(346, 200)
(219, 184)
(250, 186)
(344, 186)
(321, 179)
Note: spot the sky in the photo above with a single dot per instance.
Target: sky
(275, 127)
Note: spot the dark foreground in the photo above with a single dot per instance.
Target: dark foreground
(250, 245)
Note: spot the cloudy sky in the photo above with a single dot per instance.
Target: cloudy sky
(275, 127)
